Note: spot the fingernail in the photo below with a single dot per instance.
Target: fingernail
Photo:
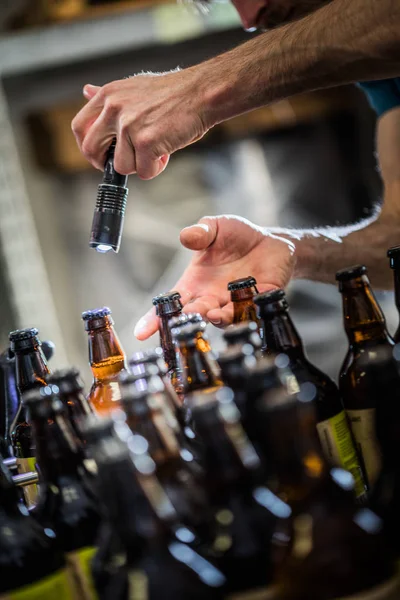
(140, 326)
(201, 225)
(216, 321)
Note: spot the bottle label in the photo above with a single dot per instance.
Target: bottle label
(80, 574)
(138, 585)
(363, 426)
(390, 590)
(265, 593)
(25, 465)
(338, 447)
(48, 588)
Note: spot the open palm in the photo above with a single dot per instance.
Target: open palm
(226, 248)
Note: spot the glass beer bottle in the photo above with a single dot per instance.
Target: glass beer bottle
(242, 294)
(32, 371)
(394, 256)
(167, 306)
(281, 336)
(365, 327)
(107, 360)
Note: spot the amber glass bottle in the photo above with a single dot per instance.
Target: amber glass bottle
(243, 333)
(9, 402)
(167, 306)
(242, 294)
(67, 502)
(32, 564)
(366, 329)
(281, 336)
(200, 369)
(70, 387)
(107, 360)
(158, 565)
(336, 550)
(31, 371)
(394, 256)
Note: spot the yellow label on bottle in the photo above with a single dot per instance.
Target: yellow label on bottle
(264, 593)
(25, 465)
(138, 585)
(53, 587)
(363, 426)
(338, 447)
(80, 574)
(390, 590)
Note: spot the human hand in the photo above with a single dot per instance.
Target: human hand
(225, 248)
(151, 115)
(266, 14)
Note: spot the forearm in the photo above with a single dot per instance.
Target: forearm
(342, 42)
(323, 251)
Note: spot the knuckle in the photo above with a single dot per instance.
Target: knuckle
(76, 127)
(111, 108)
(87, 149)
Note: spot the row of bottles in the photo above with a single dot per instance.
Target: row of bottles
(243, 476)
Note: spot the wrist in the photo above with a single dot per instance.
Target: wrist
(306, 257)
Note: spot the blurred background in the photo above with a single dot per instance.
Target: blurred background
(302, 163)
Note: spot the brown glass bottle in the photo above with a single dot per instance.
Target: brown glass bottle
(200, 369)
(394, 256)
(70, 387)
(365, 327)
(242, 294)
(167, 306)
(67, 502)
(107, 360)
(244, 526)
(336, 550)
(243, 333)
(281, 336)
(174, 325)
(31, 371)
(32, 564)
(158, 565)
(9, 402)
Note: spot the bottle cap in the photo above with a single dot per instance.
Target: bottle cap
(240, 332)
(188, 330)
(43, 401)
(94, 319)
(234, 355)
(22, 338)
(95, 428)
(146, 357)
(394, 255)
(351, 273)
(178, 321)
(142, 371)
(241, 284)
(271, 302)
(167, 303)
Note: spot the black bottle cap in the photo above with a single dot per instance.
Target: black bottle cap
(240, 331)
(166, 298)
(235, 355)
(167, 303)
(43, 401)
(394, 255)
(146, 357)
(351, 273)
(67, 380)
(96, 429)
(94, 319)
(142, 371)
(23, 334)
(178, 321)
(188, 331)
(241, 284)
(271, 302)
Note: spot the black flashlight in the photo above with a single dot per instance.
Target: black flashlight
(108, 218)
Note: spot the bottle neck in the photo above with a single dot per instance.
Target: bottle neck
(363, 318)
(31, 368)
(10, 402)
(166, 341)
(396, 277)
(244, 308)
(280, 334)
(106, 356)
(9, 497)
(200, 369)
(57, 451)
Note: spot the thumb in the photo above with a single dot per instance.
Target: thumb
(90, 90)
(199, 236)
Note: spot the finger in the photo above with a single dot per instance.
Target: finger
(97, 141)
(147, 325)
(87, 116)
(202, 305)
(90, 90)
(221, 317)
(149, 166)
(125, 156)
(201, 235)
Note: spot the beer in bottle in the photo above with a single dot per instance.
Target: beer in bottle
(70, 387)
(167, 306)
(394, 256)
(107, 360)
(159, 565)
(366, 329)
(67, 502)
(337, 550)
(244, 527)
(281, 336)
(200, 369)
(31, 371)
(32, 565)
(242, 294)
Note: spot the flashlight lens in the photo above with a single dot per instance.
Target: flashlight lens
(103, 248)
